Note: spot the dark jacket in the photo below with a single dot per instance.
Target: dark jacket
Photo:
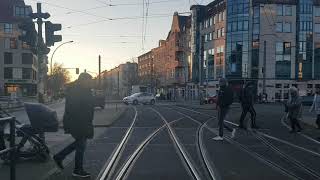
(79, 112)
(225, 97)
(247, 95)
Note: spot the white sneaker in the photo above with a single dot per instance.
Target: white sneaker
(233, 133)
(218, 138)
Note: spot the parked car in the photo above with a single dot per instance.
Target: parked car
(137, 98)
(210, 99)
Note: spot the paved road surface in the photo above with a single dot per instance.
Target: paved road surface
(175, 142)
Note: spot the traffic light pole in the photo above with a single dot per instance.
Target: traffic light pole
(39, 53)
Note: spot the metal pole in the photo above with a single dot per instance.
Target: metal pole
(99, 75)
(51, 69)
(39, 53)
(13, 149)
(264, 66)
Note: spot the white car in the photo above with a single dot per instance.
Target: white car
(144, 98)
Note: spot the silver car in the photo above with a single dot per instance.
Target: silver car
(137, 98)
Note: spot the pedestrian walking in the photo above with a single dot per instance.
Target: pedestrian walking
(225, 99)
(294, 108)
(77, 121)
(316, 106)
(247, 104)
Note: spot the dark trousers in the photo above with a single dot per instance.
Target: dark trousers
(2, 142)
(79, 145)
(222, 114)
(318, 121)
(245, 109)
(295, 123)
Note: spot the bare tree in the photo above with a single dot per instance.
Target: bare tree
(58, 79)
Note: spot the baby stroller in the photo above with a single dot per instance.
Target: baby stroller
(42, 120)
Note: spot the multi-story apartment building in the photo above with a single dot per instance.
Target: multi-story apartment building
(146, 71)
(171, 59)
(275, 44)
(119, 81)
(18, 64)
(208, 46)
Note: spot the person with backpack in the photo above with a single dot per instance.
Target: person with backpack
(225, 99)
(316, 106)
(294, 108)
(247, 101)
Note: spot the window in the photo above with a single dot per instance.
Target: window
(8, 73)
(317, 11)
(215, 19)
(26, 73)
(13, 43)
(19, 11)
(220, 17)
(287, 27)
(278, 86)
(279, 27)
(279, 48)
(8, 28)
(279, 10)
(27, 58)
(317, 28)
(287, 47)
(288, 10)
(218, 33)
(222, 32)
(8, 58)
(245, 25)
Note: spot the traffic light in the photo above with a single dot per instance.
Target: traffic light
(29, 33)
(77, 70)
(50, 37)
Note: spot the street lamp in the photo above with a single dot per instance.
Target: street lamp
(55, 52)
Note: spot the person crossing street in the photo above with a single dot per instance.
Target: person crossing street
(316, 106)
(294, 107)
(247, 104)
(77, 121)
(225, 99)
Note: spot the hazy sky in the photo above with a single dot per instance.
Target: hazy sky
(117, 41)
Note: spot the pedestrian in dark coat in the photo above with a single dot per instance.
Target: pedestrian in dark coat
(225, 99)
(77, 121)
(294, 107)
(247, 103)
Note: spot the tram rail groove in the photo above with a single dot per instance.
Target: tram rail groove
(136, 154)
(182, 151)
(106, 173)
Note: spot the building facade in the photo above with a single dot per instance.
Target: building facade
(146, 71)
(171, 59)
(274, 44)
(18, 64)
(119, 81)
(208, 46)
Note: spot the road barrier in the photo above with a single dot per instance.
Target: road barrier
(12, 149)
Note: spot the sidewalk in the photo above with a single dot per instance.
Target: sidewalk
(56, 141)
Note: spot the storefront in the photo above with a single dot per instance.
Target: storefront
(20, 88)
